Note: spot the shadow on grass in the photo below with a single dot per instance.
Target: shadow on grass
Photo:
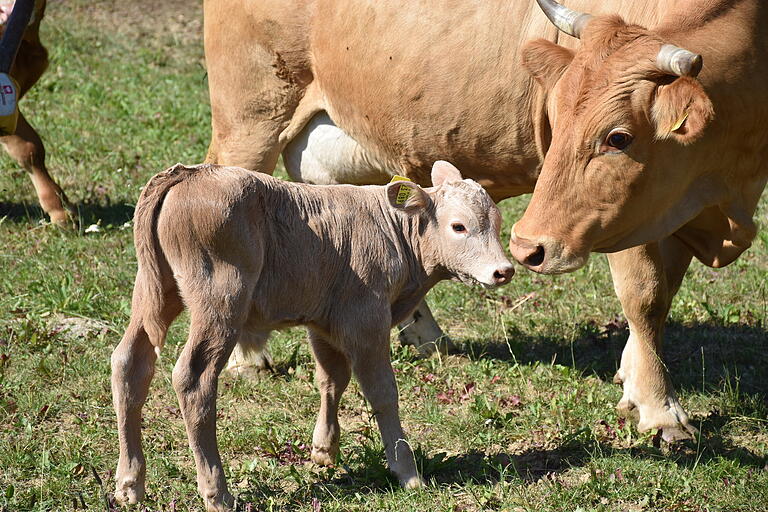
(575, 451)
(698, 355)
(104, 214)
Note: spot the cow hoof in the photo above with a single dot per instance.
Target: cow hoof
(414, 482)
(427, 347)
(219, 503)
(324, 456)
(681, 432)
(64, 220)
(129, 492)
(628, 409)
(671, 420)
(255, 365)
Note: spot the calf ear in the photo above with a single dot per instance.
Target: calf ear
(681, 110)
(546, 61)
(443, 171)
(407, 196)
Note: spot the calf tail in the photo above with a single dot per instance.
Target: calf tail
(153, 268)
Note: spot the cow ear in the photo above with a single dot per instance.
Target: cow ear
(443, 171)
(546, 61)
(407, 196)
(681, 110)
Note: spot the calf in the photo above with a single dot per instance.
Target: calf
(247, 253)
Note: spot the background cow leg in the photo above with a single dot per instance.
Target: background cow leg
(421, 331)
(645, 279)
(332, 374)
(27, 149)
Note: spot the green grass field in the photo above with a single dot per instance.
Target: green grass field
(521, 420)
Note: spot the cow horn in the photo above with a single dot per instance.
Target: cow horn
(569, 21)
(677, 61)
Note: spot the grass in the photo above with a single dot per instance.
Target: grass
(521, 420)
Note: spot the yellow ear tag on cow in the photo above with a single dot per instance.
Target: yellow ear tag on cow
(404, 193)
(679, 122)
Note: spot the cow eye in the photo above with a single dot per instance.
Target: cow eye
(458, 227)
(617, 140)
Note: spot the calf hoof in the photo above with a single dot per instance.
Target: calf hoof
(324, 456)
(678, 433)
(129, 492)
(219, 503)
(414, 482)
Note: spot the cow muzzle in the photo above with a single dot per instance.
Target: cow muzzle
(544, 254)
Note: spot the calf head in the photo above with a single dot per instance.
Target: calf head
(459, 226)
(617, 173)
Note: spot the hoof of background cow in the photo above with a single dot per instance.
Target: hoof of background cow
(64, 219)
(223, 503)
(252, 365)
(414, 482)
(427, 347)
(324, 456)
(672, 422)
(129, 493)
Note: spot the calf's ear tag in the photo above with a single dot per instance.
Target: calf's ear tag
(404, 193)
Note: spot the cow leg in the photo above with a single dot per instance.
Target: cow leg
(133, 365)
(332, 374)
(373, 370)
(421, 331)
(27, 149)
(645, 279)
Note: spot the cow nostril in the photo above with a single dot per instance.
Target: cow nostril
(498, 276)
(536, 258)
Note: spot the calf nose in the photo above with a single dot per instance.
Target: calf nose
(502, 275)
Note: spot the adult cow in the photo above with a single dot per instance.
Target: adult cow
(25, 145)
(356, 91)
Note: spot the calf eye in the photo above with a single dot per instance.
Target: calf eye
(617, 140)
(458, 227)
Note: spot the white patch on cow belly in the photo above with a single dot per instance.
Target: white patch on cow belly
(323, 154)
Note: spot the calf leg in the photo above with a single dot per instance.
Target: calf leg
(646, 278)
(133, 365)
(27, 149)
(373, 370)
(332, 376)
(217, 316)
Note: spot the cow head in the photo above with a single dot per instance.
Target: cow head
(621, 108)
(459, 226)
